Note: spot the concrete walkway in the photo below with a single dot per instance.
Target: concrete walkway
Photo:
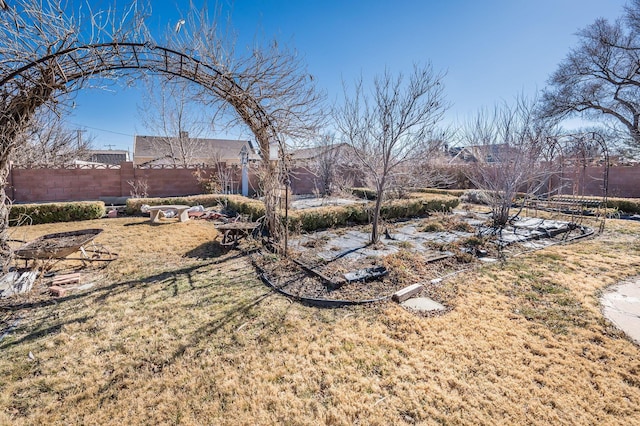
(621, 305)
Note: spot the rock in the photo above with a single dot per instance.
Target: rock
(407, 292)
(57, 291)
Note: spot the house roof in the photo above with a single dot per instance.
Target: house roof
(225, 149)
(489, 152)
(114, 157)
(313, 152)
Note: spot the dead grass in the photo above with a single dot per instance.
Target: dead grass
(176, 332)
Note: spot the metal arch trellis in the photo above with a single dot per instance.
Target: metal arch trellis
(35, 83)
(81, 62)
(577, 151)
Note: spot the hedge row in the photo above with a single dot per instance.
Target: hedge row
(311, 219)
(364, 193)
(453, 192)
(370, 194)
(237, 203)
(27, 214)
(625, 205)
(328, 217)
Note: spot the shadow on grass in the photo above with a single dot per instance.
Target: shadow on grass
(208, 250)
(233, 313)
(42, 332)
(237, 298)
(168, 280)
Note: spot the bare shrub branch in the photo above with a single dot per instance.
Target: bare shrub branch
(507, 146)
(391, 126)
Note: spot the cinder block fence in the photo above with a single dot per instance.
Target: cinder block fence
(100, 182)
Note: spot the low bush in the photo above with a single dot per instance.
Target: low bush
(433, 227)
(319, 218)
(453, 192)
(26, 214)
(327, 217)
(236, 203)
(364, 193)
(625, 205)
(310, 219)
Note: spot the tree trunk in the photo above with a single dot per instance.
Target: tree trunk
(5, 208)
(375, 233)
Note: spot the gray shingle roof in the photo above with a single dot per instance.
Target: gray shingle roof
(205, 149)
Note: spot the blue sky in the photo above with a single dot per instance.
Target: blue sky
(492, 50)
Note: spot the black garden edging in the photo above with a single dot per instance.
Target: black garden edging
(311, 301)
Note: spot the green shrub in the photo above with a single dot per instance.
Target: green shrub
(55, 212)
(364, 193)
(327, 217)
(237, 203)
(625, 205)
(453, 192)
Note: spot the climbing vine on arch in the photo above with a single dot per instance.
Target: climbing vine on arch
(49, 51)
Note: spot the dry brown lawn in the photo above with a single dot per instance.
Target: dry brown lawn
(177, 332)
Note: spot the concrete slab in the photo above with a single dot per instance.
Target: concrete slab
(19, 283)
(621, 305)
(423, 304)
(353, 245)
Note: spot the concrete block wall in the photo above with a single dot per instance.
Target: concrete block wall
(624, 181)
(91, 183)
(36, 185)
(82, 183)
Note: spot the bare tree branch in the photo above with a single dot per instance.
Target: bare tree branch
(49, 143)
(508, 146)
(600, 78)
(391, 126)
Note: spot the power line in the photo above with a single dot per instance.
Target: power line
(101, 130)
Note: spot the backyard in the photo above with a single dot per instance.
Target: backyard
(179, 331)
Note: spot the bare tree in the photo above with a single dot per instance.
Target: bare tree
(32, 32)
(600, 77)
(47, 51)
(265, 88)
(327, 162)
(49, 143)
(392, 125)
(426, 170)
(508, 147)
(177, 127)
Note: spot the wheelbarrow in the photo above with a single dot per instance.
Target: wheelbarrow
(233, 232)
(61, 245)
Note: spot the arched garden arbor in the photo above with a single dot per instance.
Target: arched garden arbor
(578, 173)
(42, 57)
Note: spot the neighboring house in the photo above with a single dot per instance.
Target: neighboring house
(490, 153)
(155, 150)
(308, 156)
(324, 169)
(111, 156)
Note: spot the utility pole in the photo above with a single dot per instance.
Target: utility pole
(79, 133)
(244, 160)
